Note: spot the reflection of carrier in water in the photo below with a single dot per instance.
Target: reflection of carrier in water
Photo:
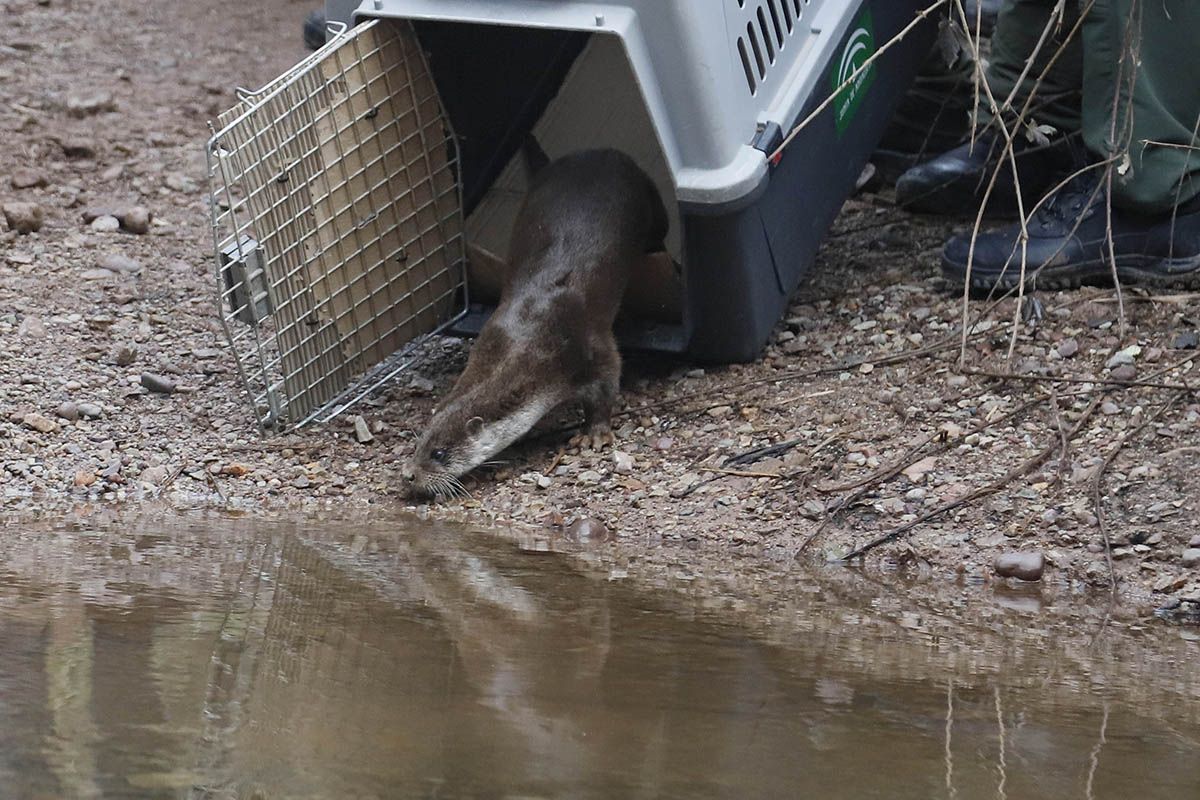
(395, 662)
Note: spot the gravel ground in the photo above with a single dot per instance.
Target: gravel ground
(119, 387)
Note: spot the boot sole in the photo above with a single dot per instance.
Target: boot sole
(1163, 273)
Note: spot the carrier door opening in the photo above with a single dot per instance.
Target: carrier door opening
(572, 91)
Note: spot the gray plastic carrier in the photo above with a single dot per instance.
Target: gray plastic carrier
(700, 92)
(366, 198)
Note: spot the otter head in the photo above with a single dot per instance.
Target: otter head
(449, 449)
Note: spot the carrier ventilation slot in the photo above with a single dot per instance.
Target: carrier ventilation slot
(770, 26)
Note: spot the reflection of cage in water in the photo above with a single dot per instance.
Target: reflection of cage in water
(337, 223)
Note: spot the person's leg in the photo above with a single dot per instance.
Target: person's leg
(1143, 56)
(1019, 28)
(1141, 95)
(954, 182)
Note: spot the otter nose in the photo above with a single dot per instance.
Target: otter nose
(407, 473)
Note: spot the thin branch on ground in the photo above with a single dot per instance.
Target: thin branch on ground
(1019, 471)
(1098, 480)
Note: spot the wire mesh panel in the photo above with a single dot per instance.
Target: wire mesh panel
(337, 222)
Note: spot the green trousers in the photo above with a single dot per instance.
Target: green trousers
(1142, 54)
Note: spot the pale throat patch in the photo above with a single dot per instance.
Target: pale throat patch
(498, 435)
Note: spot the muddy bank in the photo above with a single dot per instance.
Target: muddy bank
(866, 414)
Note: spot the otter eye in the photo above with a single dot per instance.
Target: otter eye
(439, 455)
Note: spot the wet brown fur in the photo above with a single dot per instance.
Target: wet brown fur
(587, 219)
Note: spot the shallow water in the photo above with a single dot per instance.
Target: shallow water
(220, 658)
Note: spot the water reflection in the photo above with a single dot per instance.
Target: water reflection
(222, 659)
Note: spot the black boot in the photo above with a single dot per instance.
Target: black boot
(953, 184)
(1068, 245)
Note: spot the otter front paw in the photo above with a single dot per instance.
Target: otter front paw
(595, 438)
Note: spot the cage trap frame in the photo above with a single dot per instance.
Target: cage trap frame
(337, 222)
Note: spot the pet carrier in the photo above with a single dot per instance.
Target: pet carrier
(357, 198)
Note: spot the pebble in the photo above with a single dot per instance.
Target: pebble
(1108, 408)
(956, 381)
(720, 412)
(90, 411)
(135, 220)
(623, 463)
(23, 217)
(302, 482)
(1026, 566)
(68, 410)
(1125, 372)
(1170, 583)
(589, 477)
(157, 383)
(1067, 348)
(588, 529)
(1194, 541)
(26, 178)
(86, 104)
(544, 481)
(1187, 340)
(39, 423)
(1191, 557)
(95, 274)
(179, 182)
(362, 432)
(126, 354)
(114, 262)
(84, 478)
(106, 224)
(31, 327)
(78, 147)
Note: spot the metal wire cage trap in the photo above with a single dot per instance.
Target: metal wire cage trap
(337, 223)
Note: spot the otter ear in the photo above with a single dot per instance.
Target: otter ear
(475, 426)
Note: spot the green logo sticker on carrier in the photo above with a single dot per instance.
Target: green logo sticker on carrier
(858, 48)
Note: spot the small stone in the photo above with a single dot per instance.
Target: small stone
(92, 213)
(1125, 356)
(588, 529)
(43, 424)
(917, 471)
(235, 470)
(157, 383)
(858, 459)
(1170, 583)
(1194, 541)
(1067, 348)
(68, 411)
(96, 275)
(1026, 566)
(720, 412)
(84, 478)
(23, 217)
(115, 262)
(663, 443)
(78, 147)
(301, 482)
(362, 432)
(1191, 557)
(135, 220)
(154, 475)
(1124, 372)
(179, 182)
(125, 355)
(26, 178)
(544, 481)
(915, 494)
(1109, 408)
(589, 477)
(85, 104)
(1185, 341)
(623, 463)
(31, 327)
(90, 411)
(106, 224)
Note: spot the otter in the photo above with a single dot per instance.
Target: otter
(587, 218)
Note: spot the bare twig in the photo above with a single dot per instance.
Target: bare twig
(1019, 471)
(1098, 479)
